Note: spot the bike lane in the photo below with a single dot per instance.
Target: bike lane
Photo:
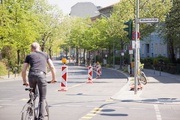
(160, 92)
(13, 96)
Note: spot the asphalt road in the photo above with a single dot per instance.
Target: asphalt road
(84, 101)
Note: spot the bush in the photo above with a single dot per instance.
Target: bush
(148, 62)
(16, 68)
(9, 56)
(109, 65)
(3, 70)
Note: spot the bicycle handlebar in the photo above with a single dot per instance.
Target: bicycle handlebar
(28, 89)
(49, 82)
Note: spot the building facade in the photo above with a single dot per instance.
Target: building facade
(153, 46)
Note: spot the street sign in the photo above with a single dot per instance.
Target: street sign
(133, 44)
(134, 34)
(148, 20)
(130, 52)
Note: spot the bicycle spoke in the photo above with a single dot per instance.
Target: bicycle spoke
(36, 106)
(143, 80)
(47, 111)
(27, 113)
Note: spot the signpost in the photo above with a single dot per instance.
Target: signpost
(148, 20)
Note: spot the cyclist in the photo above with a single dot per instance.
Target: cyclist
(37, 74)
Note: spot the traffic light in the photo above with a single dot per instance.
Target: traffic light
(129, 28)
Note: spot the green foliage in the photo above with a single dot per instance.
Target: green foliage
(160, 58)
(124, 11)
(109, 65)
(9, 54)
(170, 30)
(150, 62)
(99, 59)
(3, 70)
(147, 60)
(22, 23)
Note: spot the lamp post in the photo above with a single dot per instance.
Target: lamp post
(136, 48)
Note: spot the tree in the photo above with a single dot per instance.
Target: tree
(17, 26)
(172, 29)
(23, 22)
(125, 10)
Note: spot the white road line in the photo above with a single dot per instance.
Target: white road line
(158, 114)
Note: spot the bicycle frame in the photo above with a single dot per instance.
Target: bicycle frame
(30, 108)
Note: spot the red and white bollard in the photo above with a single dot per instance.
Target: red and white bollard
(98, 72)
(63, 83)
(90, 74)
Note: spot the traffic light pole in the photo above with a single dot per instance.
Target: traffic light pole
(136, 48)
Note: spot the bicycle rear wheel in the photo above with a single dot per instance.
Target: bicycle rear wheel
(46, 111)
(36, 110)
(143, 79)
(27, 113)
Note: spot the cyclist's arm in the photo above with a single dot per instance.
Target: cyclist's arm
(53, 70)
(24, 68)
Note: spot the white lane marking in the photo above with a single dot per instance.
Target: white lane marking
(24, 99)
(158, 114)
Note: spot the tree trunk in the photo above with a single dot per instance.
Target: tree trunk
(43, 44)
(77, 54)
(171, 49)
(84, 56)
(18, 57)
(50, 53)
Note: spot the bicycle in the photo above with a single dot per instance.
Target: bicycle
(30, 110)
(142, 76)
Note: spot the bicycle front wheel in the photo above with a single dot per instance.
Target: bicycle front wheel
(27, 113)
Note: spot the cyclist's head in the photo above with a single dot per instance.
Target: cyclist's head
(35, 46)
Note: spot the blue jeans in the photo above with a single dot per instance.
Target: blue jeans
(39, 79)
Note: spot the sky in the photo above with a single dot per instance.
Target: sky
(65, 5)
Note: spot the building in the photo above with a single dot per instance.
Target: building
(153, 46)
(107, 11)
(84, 10)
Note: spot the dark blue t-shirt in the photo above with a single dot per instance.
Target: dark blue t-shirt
(37, 61)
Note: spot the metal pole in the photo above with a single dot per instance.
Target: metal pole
(113, 56)
(136, 47)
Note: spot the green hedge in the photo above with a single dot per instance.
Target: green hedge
(3, 70)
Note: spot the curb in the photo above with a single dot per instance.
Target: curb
(125, 94)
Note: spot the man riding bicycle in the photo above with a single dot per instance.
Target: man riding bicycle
(37, 74)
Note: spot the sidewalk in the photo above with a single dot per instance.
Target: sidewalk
(11, 77)
(161, 88)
